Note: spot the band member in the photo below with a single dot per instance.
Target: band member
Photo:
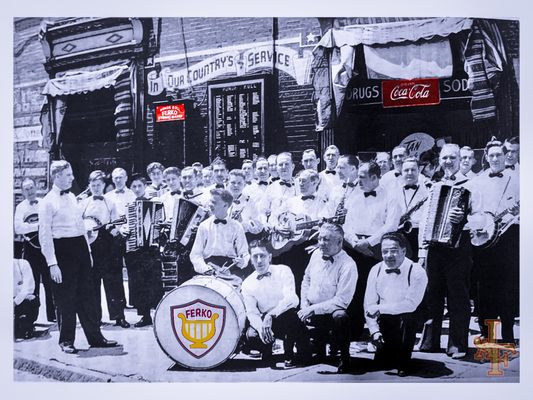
(393, 177)
(347, 169)
(98, 212)
(172, 178)
(220, 174)
(144, 268)
(27, 224)
(25, 303)
(384, 162)
(372, 212)
(243, 209)
(249, 171)
(220, 236)
(311, 161)
(498, 265)
(467, 162)
(394, 290)
(448, 270)
(65, 247)
(327, 289)
(207, 177)
(198, 167)
(271, 302)
(512, 153)
(121, 195)
(190, 190)
(157, 186)
(329, 175)
(258, 188)
(273, 167)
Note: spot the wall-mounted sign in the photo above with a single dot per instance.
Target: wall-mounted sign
(416, 92)
(28, 134)
(170, 112)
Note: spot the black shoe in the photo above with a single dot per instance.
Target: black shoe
(68, 348)
(122, 323)
(144, 321)
(28, 335)
(289, 364)
(402, 373)
(344, 366)
(104, 343)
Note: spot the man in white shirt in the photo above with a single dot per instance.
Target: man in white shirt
(25, 303)
(311, 161)
(467, 161)
(26, 223)
(327, 289)
(383, 160)
(273, 167)
(271, 302)
(206, 177)
(169, 198)
(329, 175)
(512, 153)
(64, 245)
(220, 174)
(393, 177)
(347, 169)
(257, 189)
(121, 195)
(394, 290)
(157, 186)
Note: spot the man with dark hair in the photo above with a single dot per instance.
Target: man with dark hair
(329, 175)
(347, 169)
(271, 302)
(157, 186)
(220, 174)
(383, 160)
(273, 167)
(467, 161)
(393, 177)
(512, 153)
(394, 290)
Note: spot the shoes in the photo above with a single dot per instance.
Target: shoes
(144, 321)
(289, 364)
(344, 366)
(122, 323)
(402, 373)
(28, 335)
(333, 351)
(104, 343)
(68, 348)
(459, 354)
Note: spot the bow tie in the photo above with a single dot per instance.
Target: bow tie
(175, 192)
(98, 197)
(220, 221)
(187, 193)
(157, 187)
(496, 175)
(330, 172)
(61, 193)
(141, 198)
(275, 178)
(348, 184)
(308, 197)
(407, 187)
(371, 193)
(119, 190)
(219, 186)
(249, 182)
(393, 271)
(262, 183)
(283, 183)
(237, 201)
(451, 178)
(397, 174)
(261, 276)
(33, 202)
(510, 167)
(327, 258)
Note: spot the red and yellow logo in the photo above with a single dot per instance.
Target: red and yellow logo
(489, 349)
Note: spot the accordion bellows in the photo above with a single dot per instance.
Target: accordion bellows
(143, 217)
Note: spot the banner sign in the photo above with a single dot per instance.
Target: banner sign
(170, 112)
(416, 92)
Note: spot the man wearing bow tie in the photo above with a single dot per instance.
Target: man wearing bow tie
(243, 209)
(258, 188)
(383, 160)
(273, 167)
(512, 154)
(393, 178)
(26, 223)
(219, 236)
(467, 162)
(329, 175)
(271, 301)
(121, 195)
(220, 174)
(64, 244)
(157, 187)
(372, 212)
(327, 289)
(394, 290)
(347, 169)
(497, 267)
(172, 179)
(107, 263)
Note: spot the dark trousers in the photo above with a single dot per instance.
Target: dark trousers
(448, 271)
(41, 273)
(339, 323)
(76, 295)
(24, 316)
(399, 335)
(412, 240)
(287, 327)
(498, 283)
(144, 269)
(356, 307)
(297, 260)
(107, 267)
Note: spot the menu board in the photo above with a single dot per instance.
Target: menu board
(236, 119)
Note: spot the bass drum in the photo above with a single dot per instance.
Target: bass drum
(199, 324)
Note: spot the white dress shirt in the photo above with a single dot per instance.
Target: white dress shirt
(246, 213)
(329, 286)
(59, 217)
(23, 282)
(23, 210)
(273, 294)
(155, 191)
(220, 239)
(315, 208)
(169, 200)
(409, 198)
(394, 179)
(121, 199)
(392, 293)
(275, 195)
(104, 210)
(331, 179)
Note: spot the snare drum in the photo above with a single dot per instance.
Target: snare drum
(199, 323)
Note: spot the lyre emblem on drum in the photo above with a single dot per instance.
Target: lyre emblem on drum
(198, 326)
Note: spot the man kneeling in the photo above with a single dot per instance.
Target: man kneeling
(271, 301)
(394, 291)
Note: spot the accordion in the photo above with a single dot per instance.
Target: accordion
(438, 227)
(143, 218)
(186, 217)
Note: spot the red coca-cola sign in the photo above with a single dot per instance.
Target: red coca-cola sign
(416, 92)
(170, 112)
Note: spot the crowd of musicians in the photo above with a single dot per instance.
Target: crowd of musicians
(388, 244)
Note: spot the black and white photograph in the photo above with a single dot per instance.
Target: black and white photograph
(327, 198)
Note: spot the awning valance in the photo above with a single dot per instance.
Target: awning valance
(77, 82)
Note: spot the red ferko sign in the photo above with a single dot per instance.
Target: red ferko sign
(416, 92)
(170, 112)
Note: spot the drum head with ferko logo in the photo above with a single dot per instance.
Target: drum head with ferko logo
(197, 326)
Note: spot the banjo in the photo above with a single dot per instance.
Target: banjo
(486, 228)
(93, 225)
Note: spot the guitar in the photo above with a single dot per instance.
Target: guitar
(486, 228)
(93, 225)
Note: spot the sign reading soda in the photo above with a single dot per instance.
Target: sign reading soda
(170, 112)
(416, 92)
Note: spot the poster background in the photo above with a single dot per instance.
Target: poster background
(508, 9)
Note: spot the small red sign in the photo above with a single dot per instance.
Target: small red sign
(416, 92)
(170, 112)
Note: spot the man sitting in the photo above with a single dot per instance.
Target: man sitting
(25, 303)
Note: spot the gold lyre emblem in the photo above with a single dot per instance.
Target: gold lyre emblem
(198, 326)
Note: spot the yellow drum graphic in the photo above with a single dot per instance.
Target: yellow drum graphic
(199, 324)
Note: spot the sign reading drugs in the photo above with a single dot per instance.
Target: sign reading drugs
(171, 112)
(416, 92)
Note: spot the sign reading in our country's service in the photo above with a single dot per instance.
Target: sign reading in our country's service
(170, 112)
(416, 92)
